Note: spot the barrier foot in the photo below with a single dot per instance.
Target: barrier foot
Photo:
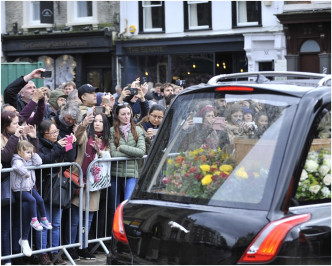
(65, 251)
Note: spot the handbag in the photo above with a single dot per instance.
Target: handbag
(74, 178)
(62, 191)
(6, 193)
(99, 176)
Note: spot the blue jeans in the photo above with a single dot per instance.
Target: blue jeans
(72, 231)
(54, 234)
(120, 184)
(34, 200)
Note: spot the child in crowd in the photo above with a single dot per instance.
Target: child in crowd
(23, 181)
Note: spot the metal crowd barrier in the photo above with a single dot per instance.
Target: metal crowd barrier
(32, 235)
(98, 238)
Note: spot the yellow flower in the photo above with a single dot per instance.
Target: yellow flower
(206, 180)
(201, 150)
(241, 173)
(205, 167)
(218, 150)
(212, 152)
(170, 161)
(226, 168)
(216, 173)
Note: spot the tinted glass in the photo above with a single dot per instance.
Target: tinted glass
(218, 149)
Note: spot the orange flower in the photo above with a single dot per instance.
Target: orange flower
(179, 159)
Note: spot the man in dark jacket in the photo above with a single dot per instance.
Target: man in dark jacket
(21, 91)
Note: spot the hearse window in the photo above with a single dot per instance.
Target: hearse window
(217, 149)
(315, 182)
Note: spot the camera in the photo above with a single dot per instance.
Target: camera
(133, 91)
(180, 82)
(252, 126)
(26, 130)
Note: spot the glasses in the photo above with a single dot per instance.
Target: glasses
(157, 117)
(53, 133)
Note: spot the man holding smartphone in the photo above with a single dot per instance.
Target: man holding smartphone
(20, 92)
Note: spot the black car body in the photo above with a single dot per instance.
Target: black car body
(254, 200)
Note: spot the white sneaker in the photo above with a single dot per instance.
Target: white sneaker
(46, 224)
(36, 225)
(25, 247)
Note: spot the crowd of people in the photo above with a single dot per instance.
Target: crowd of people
(36, 124)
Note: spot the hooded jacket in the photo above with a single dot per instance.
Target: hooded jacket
(19, 180)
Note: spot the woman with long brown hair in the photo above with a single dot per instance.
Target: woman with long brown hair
(127, 140)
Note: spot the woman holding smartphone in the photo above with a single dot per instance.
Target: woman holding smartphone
(51, 150)
(151, 123)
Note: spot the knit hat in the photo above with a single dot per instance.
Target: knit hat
(54, 95)
(246, 110)
(206, 109)
(99, 95)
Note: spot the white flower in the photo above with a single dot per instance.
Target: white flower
(311, 166)
(314, 189)
(323, 170)
(327, 162)
(304, 175)
(327, 157)
(327, 180)
(326, 192)
(313, 155)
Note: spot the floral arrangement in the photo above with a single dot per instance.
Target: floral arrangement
(315, 181)
(198, 173)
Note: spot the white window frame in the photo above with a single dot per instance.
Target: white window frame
(189, 24)
(144, 10)
(73, 19)
(240, 24)
(28, 22)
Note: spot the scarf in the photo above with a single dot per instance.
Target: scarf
(90, 151)
(125, 130)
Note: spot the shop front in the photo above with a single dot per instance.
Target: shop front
(194, 60)
(82, 57)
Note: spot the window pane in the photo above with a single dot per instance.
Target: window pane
(248, 11)
(151, 3)
(197, 163)
(84, 8)
(199, 14)
(153, 17)
(35, 10)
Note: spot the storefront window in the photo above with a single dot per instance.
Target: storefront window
(193, 68)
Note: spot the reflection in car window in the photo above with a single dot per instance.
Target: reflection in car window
(217, 154)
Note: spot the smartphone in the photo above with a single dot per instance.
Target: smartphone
(26, 130)
(198, 120)
(219, 123)
(46, 74)
(154, 131)
(69, 144)
(99, 109)
(143, 80)
(89, 110)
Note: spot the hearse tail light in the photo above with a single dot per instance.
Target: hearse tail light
(234, 88)
(118, 228)
(267, 243)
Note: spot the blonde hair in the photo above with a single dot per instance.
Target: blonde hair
(24, 145)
